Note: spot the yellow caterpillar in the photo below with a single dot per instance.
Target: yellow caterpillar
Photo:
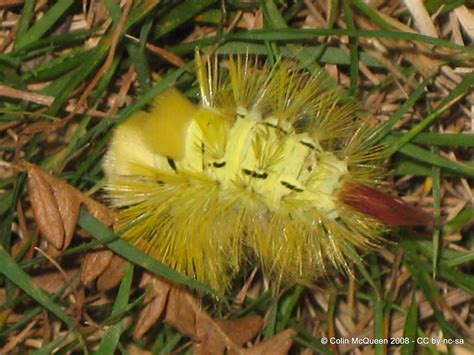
(258, 171)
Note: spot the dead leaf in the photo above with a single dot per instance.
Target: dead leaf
(68, 206)
(212, 339)
(279, 344)
(52, 280)
(45, 208)
(153, 285)
(155, 300)
(112, 275)
(240, 298)
(56, 206)
(94, 264)
(210, 336)
(217, 336)
(99, 211)
(181, 312)
(52, 251)
(243, 329)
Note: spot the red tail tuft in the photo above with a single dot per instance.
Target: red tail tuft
(384, 207)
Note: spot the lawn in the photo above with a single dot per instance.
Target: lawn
(72, 71)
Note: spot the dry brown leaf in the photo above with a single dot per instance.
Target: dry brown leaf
(94, 264)
(52, 251)
(240, 298)
(112, 275)
(155, 300)
(180, 312)
(53, 281)
(210, 336)
(98, 210)
(45, 208)
(217, 336)
(68, 206)
(56, 206)
(243, 329)
(279, 344)
(152, 283)
(212, 339)
(149, 315)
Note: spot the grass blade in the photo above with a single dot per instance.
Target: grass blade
(109, 342)
(410, 328)
(12, 271)
(44, 24)
(447, 101)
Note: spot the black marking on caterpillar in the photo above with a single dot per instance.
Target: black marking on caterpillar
(276, 127)
(291, 187)
(172, 164)
(309, 145)
(255, 174)
(219, 164)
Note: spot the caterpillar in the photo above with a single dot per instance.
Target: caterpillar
(270, 167)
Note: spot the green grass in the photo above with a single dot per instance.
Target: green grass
(50, 59)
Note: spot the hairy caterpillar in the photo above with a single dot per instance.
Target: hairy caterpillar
(269, 167)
